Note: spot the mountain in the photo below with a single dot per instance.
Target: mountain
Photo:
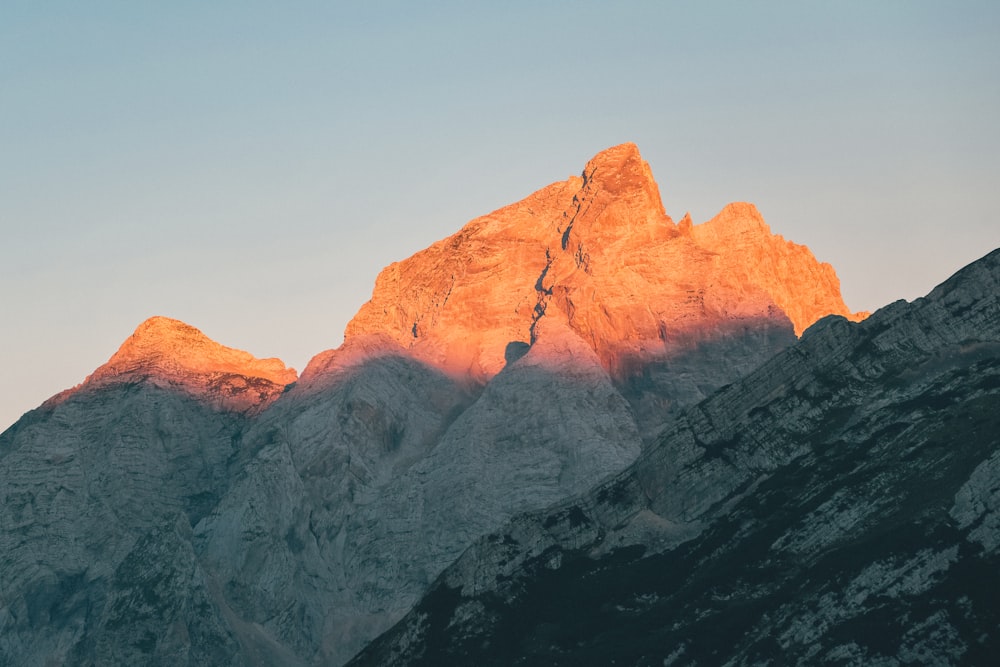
(839, 505)
(190, 504)
(598, 253)
(101, 488)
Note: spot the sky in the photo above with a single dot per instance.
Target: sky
(250, 167)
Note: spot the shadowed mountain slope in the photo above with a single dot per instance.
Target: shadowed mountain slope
(840, 505)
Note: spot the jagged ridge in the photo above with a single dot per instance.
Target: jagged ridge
(599, 252)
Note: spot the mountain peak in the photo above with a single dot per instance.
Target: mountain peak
(746, 251)
(170, 353)
(618, 167)
(738, 218)
(159, 331)
(600, 253)
(621, 172)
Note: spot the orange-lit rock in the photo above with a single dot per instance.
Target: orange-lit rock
(458, 303)
(747, 252)
(172, 354)
(600, 253)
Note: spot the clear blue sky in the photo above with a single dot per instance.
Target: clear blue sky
(249, 167)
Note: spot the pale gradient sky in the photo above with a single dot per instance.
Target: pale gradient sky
(249, 167)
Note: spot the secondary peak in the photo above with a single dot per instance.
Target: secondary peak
(168, 352)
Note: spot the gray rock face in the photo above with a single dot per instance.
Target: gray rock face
(189, 504)
(359, 496)
(150, 518)
(142, 524)
(99, 496)
(840, 505)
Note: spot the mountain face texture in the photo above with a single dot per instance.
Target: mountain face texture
(169, 354)
(840, 505)
(598, 253)
(189, 504)
(99, 496)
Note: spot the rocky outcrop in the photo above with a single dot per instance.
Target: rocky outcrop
(837, 506)
(380, 480)
(101, 488)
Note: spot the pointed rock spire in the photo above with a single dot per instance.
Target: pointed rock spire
(619, 170)
(685, 225)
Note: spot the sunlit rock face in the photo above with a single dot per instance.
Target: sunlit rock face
(170, 354)
(598, 252)
(839, 505)
(672, 311)
(189, 504)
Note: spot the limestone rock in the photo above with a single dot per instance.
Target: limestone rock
(748, 253)
(600, 253)
(671, 311)
(93, 565)
(378, 471)
(169, 353)
(839, 504)
(190, 504)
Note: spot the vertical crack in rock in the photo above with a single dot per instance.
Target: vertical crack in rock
(544, 294)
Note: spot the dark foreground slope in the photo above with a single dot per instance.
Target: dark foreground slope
(841, 505)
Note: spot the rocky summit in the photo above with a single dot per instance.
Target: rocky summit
(189, 504)
(670, 310)
(167, 353)
(599, 253)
